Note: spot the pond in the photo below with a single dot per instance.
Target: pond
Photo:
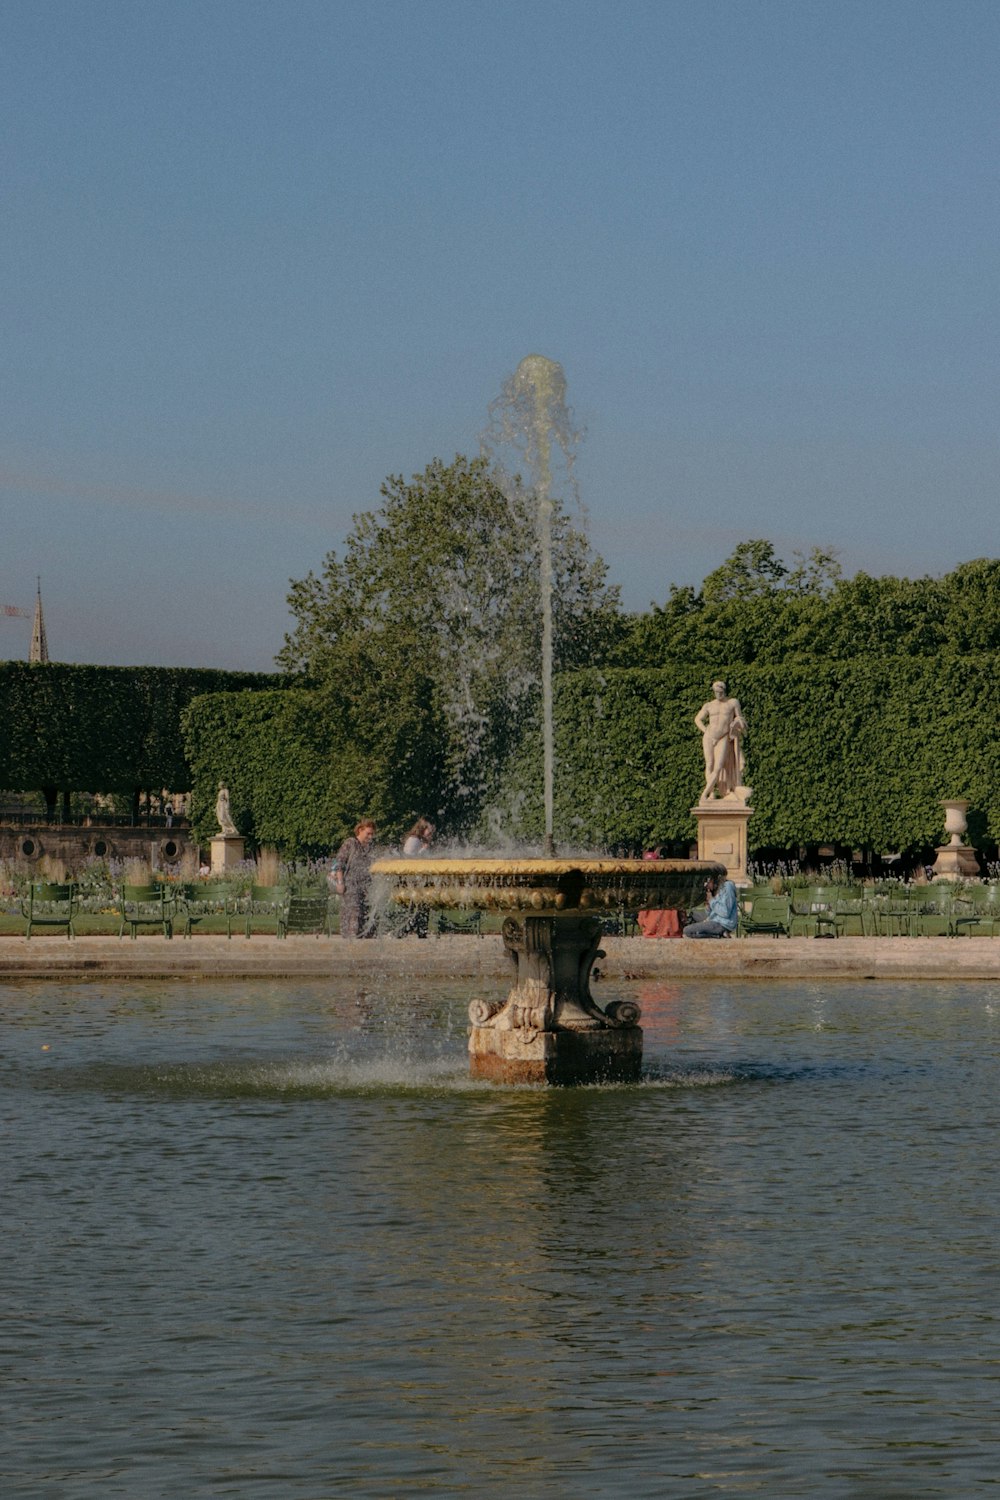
(269, 1240)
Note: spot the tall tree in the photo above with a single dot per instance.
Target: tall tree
(440, 585)
(752, 570)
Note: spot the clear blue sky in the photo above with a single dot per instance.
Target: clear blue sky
(255, 256)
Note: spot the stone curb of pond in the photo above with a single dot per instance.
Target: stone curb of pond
(210, 957)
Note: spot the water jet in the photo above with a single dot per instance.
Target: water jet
(531, 415)
(549, 1029)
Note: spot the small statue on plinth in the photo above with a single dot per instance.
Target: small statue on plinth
(227, 845)
(721, 724)
(227, 827)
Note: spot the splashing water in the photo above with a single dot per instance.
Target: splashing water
(531, 414)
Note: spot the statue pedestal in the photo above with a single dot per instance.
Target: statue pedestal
(956, 862)
(227, 852)
(722, 832)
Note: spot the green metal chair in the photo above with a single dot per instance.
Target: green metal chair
(767, 914)
(49, 906)
(976, 910)
(622, 923)
(745, 899)
(473, 924)
(816, 909)
(931, 911)
(893, 914)
(269, 901)
(851, 909)
(197, 903)
(306, 914)
(146, 906)
(991, 908)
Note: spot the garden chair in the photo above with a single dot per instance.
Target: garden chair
(991, 907)
(816, 909)
(893, 914)
(472, 924)
(976, 911)
(49, 906)
(874, 899)
(146, 906)
(931, 911)
(196, 903)
(305, 914)
(868, 901)
(768, 914)
(620, 923)
(851, 909)
(745, 899)
(270, 901)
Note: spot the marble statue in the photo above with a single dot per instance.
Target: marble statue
(721, 724)
(226, 825)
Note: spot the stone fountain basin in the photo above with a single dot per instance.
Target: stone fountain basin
(548, 885)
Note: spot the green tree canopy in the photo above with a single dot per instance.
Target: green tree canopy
(426, 632)
(755, 609)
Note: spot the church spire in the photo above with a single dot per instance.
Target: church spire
(39, 643)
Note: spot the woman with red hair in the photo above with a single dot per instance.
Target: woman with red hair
(351, 877)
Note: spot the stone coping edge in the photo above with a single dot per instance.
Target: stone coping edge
(210, 957)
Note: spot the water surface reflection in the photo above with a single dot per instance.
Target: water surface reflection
(272, 1240)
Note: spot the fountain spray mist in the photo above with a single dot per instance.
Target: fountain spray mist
(531, 413)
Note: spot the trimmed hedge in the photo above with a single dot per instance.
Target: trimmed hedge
(854, 754)
(273, 750)
(102, 729)
(857, 754)
(301, 770)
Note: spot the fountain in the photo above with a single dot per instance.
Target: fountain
(549, 1029)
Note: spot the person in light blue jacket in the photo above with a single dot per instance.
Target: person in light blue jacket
(719, 918)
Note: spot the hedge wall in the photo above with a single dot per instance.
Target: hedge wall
(274, 752)
(300, 773)
(102, 729)
(857, 753)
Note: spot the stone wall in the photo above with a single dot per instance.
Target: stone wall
(25, 844)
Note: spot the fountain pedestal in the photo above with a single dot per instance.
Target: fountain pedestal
(550, 1029)
(565, 1057)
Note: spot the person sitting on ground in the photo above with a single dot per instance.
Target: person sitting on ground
(719, 918)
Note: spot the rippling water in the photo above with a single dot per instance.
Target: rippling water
(269, 1240)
